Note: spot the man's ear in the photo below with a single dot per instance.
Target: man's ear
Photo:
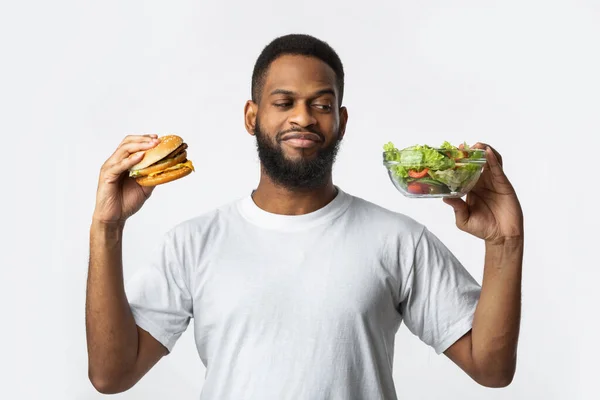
(250, 112)
(343, 122)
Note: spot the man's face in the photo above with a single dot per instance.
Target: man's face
(298, 123)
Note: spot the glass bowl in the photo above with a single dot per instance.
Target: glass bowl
(429, 172)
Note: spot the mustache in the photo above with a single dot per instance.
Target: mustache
(307, 129)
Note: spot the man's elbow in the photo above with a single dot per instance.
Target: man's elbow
(107, 385)
(496, 382)
(497, 379)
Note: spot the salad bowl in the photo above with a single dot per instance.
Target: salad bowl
(423, 171)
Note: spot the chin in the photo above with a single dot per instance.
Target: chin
(295, 153)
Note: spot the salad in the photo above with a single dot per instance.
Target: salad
(424, 170)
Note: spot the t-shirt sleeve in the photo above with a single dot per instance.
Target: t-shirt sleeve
(439, 296)
(158, 295)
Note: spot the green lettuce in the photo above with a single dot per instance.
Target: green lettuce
(455, 152)
(452, 151)
(477, 153)
(455, 178)
(441, 164)
(433, 159)
(417, 157)
(393, 154)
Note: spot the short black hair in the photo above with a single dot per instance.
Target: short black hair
(296, 44)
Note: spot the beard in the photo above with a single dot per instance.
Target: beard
(301, 174)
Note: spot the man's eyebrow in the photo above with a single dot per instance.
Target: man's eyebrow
(291, 93)
(282, 91)
(326, 91)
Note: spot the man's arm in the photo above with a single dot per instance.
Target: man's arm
(488, 353)
(119, 352)
(492, 212)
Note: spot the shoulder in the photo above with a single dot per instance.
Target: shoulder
(377, 216)
(192, 239)
(206, 222)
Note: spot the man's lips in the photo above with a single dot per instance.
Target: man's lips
(301, 139)
(302, 135)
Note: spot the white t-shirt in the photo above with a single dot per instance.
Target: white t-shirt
(302, 307)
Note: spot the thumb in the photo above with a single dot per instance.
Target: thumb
(461, 210)
(495, 165)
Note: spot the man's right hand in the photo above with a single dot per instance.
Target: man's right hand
(118, 197)
(119, 352)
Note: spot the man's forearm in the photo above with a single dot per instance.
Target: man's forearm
(497, 317)
(111, 330)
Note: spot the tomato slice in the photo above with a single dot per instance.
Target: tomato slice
(421, 187)
(414, 174)
(417, 188)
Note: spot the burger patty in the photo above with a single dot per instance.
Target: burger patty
(177, 151)
(177, 156)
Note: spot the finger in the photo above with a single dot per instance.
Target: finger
(483, 146)
(123, 165)
(127, 149)
(139, 138)
(494, 164)
(461, 210)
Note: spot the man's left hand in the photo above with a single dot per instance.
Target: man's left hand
(492, 210)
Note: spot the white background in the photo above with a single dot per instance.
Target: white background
(77, 76)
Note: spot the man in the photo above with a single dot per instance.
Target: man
(298, 289)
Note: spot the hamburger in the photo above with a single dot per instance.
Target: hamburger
(165, 162)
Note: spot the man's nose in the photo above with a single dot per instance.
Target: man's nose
(302, 115)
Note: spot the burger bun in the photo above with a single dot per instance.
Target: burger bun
(164, 177)
(166, 145)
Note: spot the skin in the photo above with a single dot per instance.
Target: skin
(492, 212)
(119, 352)
(299, 93)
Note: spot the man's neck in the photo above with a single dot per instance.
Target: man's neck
(279, 200)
